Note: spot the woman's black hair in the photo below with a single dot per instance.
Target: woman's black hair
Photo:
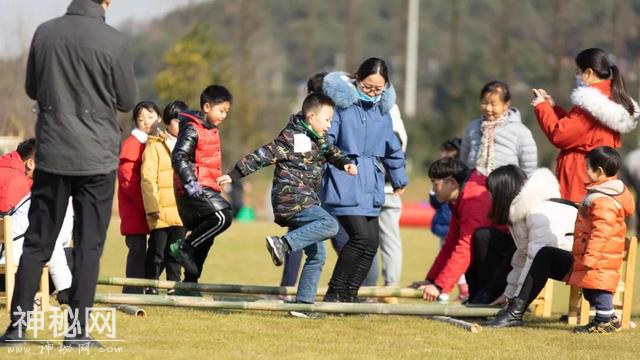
(504, 184)
(172, 110)
(605, 157)
(147, 105)
(314, 84)
(496, 87)
(452, 144)
(371, 66)
(449, 168)
(596, 60)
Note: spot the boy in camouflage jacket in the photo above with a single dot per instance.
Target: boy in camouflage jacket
(298, 154)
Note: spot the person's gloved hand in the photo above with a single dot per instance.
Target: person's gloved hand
(193, 188)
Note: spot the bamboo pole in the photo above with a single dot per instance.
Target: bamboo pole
(132, 310)
(252, 289)
(469, 326)
(341, 308)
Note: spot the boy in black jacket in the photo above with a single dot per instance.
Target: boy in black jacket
(298, 154)
(197, 163)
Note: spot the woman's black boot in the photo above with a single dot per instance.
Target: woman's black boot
(510, 316)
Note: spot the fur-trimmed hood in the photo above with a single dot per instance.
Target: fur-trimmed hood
(613, 188)
(342, 90)
(541, 186)
(606, 111)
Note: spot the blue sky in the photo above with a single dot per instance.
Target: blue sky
(19, 18)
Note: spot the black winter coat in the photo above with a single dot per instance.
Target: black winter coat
(80, 73)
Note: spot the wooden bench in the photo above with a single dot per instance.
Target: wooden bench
(542, 303)
(9, 269)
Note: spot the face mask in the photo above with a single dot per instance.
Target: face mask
(579, 82)
(364, 97)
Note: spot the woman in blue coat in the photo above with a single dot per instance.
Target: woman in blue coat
(361, 128)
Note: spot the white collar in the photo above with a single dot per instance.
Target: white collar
(140, 135)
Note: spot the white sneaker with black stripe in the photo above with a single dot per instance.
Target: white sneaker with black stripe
(307, 314)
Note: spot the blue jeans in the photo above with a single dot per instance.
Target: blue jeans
(294, 258)
(307, 230)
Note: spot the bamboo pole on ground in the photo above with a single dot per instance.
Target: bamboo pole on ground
(469, 326)
(341, 308)
(132, 310)
(252, 289)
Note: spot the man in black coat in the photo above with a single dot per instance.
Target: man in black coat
(80, 73)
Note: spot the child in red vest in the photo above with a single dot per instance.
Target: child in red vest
(197, 163)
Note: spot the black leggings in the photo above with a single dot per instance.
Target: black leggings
(491, 255)
(549, 263)
(357, 255)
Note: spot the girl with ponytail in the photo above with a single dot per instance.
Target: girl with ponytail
(602, 111)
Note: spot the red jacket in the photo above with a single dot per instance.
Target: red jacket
(133, 220)
(468, 213)
(14, 184)
(595, 120)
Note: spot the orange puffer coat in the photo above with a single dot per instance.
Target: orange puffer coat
(600, 229)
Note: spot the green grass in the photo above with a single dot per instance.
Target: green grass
(239, 256)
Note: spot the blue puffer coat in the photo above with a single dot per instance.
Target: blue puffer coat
(364, 132)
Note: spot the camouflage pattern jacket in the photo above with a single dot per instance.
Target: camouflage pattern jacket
(298, 154)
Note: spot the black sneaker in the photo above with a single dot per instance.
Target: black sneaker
(277, 248)
(599, 327)
(183, 253)
(151, 291)
(307, 314)
(81, 341)
(12, 336)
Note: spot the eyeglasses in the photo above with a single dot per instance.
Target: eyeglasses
(372, 89)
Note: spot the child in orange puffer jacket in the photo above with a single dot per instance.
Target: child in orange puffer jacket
(599, 237)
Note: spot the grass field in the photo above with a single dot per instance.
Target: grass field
(239, 256)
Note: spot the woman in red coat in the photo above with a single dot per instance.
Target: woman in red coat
(133, 220)
(602, 111)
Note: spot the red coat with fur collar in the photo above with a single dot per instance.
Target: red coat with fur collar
(595, 120)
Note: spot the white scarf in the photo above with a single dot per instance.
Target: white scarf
(486, 161)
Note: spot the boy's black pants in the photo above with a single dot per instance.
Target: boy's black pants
(202, 236)
(206, 216)
(491, 253)
(92, 202)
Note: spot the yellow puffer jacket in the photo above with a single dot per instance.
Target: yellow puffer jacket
(157, 183)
